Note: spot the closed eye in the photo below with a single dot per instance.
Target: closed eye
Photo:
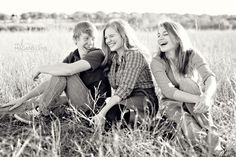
(165, 34)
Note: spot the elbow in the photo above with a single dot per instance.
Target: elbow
(210, 80)
(211, 83)
(213, 78)
(214, 81)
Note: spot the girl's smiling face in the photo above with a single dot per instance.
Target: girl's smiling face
(113, 40)
(166, 40)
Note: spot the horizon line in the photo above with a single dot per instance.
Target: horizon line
(118, 12)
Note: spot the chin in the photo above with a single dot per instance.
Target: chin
(162, 50)
(165, 49)
(112, 49)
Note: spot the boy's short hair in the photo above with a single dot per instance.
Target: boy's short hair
(84, 27)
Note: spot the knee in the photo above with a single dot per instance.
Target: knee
(60, 79)
(70, 77)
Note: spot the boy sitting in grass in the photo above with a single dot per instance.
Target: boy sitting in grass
(81, 76)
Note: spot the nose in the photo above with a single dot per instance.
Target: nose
(160, 38)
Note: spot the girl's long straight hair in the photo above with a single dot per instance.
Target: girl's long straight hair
(184, 49)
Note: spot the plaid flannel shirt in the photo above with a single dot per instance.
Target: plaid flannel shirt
(131, 73)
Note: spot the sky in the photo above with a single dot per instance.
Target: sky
(211, 7)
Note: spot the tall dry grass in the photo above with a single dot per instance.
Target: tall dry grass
(21, 53)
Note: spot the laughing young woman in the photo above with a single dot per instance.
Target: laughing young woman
(129, 75)
(176, 68)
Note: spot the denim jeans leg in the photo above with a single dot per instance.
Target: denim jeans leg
(78, 94)
(54, 89)
(205, 119)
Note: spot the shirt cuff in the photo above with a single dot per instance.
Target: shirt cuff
(122, 93)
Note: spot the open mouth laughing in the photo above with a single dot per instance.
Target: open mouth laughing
(163, 43)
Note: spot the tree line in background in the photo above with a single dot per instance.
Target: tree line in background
(37, 21)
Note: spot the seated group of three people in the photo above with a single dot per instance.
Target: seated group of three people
(88, 75)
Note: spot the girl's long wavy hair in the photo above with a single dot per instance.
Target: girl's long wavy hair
(127, 34)
(184, 48)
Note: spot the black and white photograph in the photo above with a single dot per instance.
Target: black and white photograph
(119, 78)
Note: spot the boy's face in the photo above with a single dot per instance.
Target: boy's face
(85, 42)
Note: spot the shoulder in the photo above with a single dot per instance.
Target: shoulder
(135, 57)
(157, 59)
(70, 56)
(158, 63)
(94, 54)
(73, 53)
(96, 51)
(197, 54)
(133, 53)
(197, 58)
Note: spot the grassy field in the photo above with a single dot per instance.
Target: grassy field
(22, 52)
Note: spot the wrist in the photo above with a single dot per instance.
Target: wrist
(103, 112)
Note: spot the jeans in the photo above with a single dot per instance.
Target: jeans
(140, 105)
(190, 123)
(77, 93)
